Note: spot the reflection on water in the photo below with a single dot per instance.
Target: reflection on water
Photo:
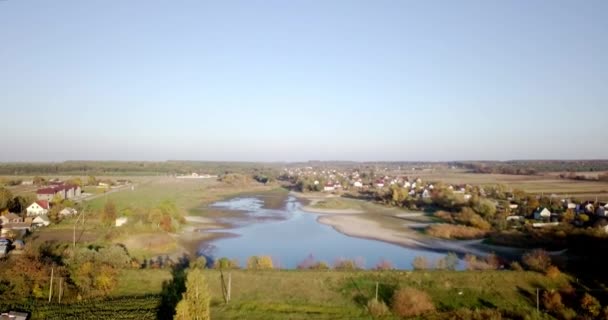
(297, 235)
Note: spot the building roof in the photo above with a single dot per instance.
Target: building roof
(43, 203)
(56, 188)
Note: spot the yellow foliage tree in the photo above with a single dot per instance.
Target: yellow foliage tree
(195, 301)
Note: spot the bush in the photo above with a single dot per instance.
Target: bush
(199, 263)
(444, 215)
(590, 305)
(410, 302)
(468, 217)
(488, 263)
(537, 260)
(259, 263)
(450, 231)
(346, 265)
(553, 272)
(515, 266)
(384, 265)
(320, 265)
(420, 263)
(225, 263)
(552, 301)
(377, 308)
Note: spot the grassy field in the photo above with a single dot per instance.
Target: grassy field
(342, 295)
(537, 184)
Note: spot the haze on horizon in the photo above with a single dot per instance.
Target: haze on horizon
(301, 80)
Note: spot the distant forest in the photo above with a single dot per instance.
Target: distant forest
(129, 168)
(176, 167)
(530, 167)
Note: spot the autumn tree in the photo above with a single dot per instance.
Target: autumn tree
(195, 301)
(420, 263)
(108, 216)
(5, 198)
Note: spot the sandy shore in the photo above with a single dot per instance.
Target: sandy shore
(331, 211)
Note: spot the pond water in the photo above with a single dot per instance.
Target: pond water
(297, 235)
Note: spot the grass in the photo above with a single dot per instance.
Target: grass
(338, 203)
(293, 294)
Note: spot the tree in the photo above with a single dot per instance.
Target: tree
(259, 263)
(537, 260)
(18, 204)
(590, 305)
(5, 198)
(109, 213)
(75, 182)
(39, 181)
(195, 301)
(485, 208)
(420, 263)
(410, 302)
(92, 181)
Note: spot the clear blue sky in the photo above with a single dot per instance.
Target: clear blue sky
(299, 80)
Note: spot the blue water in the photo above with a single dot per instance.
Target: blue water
(298, 235)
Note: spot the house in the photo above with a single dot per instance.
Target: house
(60, 190)
(467, 197)
(379, 184)
(358, 184)
(10, 218)
(68, 212)
(329, 187)
(602, 210)
(426, 194)
(513, 206)
(407, 185)
(41, 221)
(121, 221)
(37, 208)
(542, 213)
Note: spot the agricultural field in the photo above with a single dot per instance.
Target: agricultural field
(536, 184)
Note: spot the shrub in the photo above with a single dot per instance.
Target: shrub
(410, 302)
(468, 217)
(537, 260)
(225, 263)
(307, 263)
(320, 265)
(377, 308)
(515, 266)
(259, 263)
(590, 305)
(444, 215)
(420, 263)
(199, 263)
(384, 265)
(488, 263)
(552, 300)
(553, 272)
(346, 265)
(450, 231)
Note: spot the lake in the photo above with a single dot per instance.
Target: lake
(289, 235)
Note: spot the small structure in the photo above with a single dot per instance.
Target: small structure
(358, 184)
(379, 184)
(37, 208)
(329, 187)
(10, 218)
(14, 315)
(121, 221)
(542, 213)
(41, 221)
(65, 212)
(426, 194)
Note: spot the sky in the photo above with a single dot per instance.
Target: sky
(303, 80)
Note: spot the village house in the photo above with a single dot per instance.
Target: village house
(121, 221)
(10, 218)
(542, 213)
(379, 184)
(426, 194)
(37, 208)
(68, 212)
(41, 221)
(329, 187)
(62, 191)
(358, 184)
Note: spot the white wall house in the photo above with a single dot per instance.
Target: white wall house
(121, 221)
(37, 208)
(68, 212)
(542, 213)
(41, 221)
